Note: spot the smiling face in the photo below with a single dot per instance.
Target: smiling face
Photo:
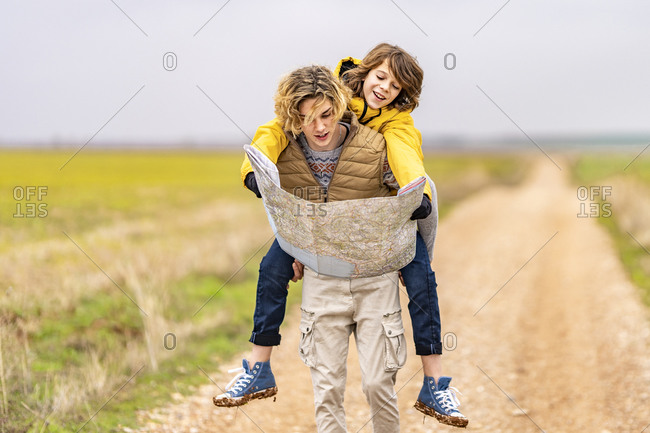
(380, 87)
(322, 132)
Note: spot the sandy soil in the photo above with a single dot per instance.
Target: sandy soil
(546, 331)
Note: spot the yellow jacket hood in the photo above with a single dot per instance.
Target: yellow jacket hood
(345, 65)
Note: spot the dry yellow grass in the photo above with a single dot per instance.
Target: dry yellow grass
(144, 257)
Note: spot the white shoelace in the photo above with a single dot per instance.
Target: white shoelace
(239, 382)
(448, 399)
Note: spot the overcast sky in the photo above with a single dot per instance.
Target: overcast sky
(75, 70)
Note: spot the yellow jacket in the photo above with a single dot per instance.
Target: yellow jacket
(403, 140)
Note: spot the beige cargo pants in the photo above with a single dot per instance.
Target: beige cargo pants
(332, 309)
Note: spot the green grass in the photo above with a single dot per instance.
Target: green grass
(598, 167)
(102, 188)
(104, 321)
(182, 371)
(107, 322)
(97, 188)
(597, 170)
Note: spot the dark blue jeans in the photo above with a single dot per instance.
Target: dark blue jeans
(276, 271)
(420, 281)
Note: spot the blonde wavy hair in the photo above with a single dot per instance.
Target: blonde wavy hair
(402, 65)
(305, 83)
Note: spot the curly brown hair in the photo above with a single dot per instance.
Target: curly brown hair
(308, 82)
(402, 65)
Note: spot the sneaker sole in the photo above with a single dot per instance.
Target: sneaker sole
(443, 419)
(234, 402)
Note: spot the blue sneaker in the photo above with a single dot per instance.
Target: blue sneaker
(248, 385)
(440, 401)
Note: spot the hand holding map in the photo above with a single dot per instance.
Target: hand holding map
(345, 239)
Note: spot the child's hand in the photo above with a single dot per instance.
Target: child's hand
(401, 279)
(251, 183)
(298, 271)
(424, 210)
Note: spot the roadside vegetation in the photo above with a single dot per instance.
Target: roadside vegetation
(628, 179)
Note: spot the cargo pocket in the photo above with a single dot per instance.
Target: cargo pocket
(395, 342)
(306, 347)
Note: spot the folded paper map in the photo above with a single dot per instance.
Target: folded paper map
(346, 239)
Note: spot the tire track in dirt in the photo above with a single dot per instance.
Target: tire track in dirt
(539, 306)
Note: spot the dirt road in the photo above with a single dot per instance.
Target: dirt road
(547, 332)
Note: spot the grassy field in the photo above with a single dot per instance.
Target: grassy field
(133, 272)
(628, 179)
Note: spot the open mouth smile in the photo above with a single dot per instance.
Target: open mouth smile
(378, 96)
